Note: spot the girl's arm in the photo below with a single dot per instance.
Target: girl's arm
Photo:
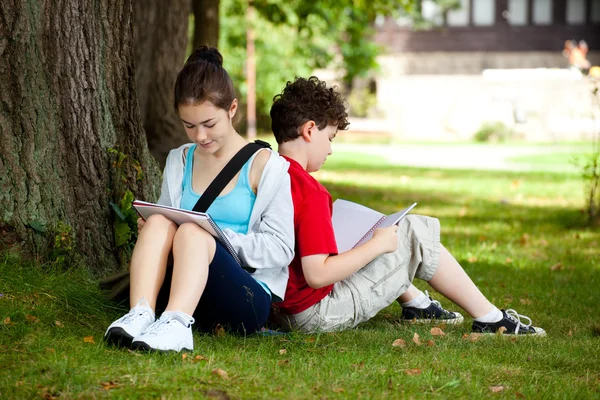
(271, 244)
(322, 269)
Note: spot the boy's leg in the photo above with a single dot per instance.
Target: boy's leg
(451, 280)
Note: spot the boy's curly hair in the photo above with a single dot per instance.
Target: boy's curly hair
(306, 100)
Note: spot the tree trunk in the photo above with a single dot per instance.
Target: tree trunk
(161, 37)
(71, 140)
(206, 22)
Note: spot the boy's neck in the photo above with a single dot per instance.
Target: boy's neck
(295, 150)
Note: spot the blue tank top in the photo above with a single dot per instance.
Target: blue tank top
(228, 211)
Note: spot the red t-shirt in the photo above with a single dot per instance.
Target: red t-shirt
(314, 235)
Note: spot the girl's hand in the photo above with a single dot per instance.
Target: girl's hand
(387, 238)
(141, 224)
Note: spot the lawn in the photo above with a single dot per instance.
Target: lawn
(521, 236)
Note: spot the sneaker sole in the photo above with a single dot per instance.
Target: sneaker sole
(118, 337)
(143, 346)
(511, 335)
(454, 321)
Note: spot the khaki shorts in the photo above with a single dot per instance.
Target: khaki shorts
(359, 297)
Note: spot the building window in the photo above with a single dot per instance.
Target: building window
(575, 12)
(542, 12)
(595, 12)
(459, 17)
(517, 12)
(432, 12)
(484, 12)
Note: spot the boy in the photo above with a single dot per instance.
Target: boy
(328, 291)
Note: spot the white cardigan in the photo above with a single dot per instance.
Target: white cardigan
(269, 244)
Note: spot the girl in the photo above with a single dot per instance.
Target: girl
(254, 210)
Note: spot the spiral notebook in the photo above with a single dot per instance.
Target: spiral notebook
(354, 224)
(179, 216)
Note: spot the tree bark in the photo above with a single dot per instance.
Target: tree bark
(206, 22)
(68, 110)
(161, 38)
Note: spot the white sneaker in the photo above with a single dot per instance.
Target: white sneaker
(171, 332)
(122, 331)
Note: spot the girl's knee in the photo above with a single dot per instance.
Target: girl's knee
(192, 232)
(159, 222)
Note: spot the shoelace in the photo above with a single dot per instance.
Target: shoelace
(437, 303)
(516, 317)
(141, 308)
(163, 322)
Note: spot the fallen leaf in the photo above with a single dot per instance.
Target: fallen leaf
(49, 350)
(430, 343)
(311, 340)
(525, 239)
(32, 318)
(412, 371)
(399, 343)
(520, 395)
(390, 383)
(556, 267)
(88, 339)
(135, 353)
(570, 333)
(471, 337)
(338, 390)
(283, 362)
(472, 259)
(219, 330)
(59, 324)
(282, 351)
(222, 374)
(501, 330)
(525, 301)
(109, 385)
(515, 184)
(497, 388)
(543, 243)
(200, 358)
(7, 321)
(437, 332)
(462, 212)
(442, 325)
(577, 236)
(482, 238)
(184, 356)
(416, 339)
(508, 260)
(360, 365)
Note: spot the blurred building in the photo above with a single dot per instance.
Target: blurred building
(490, 60)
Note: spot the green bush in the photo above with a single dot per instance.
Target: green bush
(495, 131)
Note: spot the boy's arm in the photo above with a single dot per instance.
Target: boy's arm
(322, 269)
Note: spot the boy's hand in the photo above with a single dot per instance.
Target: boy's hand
(387, 238)
(140, 223)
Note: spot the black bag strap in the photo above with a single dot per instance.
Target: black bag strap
(227, 173)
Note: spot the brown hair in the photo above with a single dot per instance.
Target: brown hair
(204, 78)
(306, 100)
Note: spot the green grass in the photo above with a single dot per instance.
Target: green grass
(509, 230)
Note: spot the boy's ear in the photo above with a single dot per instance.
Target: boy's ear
(306, 130)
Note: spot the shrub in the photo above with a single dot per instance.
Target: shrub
(495, 131)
